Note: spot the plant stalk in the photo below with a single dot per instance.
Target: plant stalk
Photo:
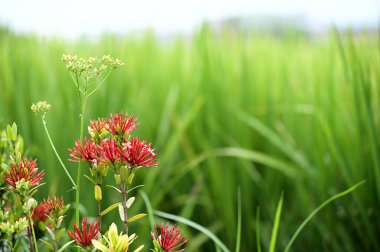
(56, 153)
(123, 190)
(77, 193)
(31, 236)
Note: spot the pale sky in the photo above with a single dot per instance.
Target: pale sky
(71, 18)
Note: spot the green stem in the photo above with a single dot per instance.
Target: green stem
(56, 153)
(99, 84)
(31, 235)
(123, 190)
(34, 238)
(77, 194)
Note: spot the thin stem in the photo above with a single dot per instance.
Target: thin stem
(77, 193)
(30, 235)
(123, 190)
(56, 153)
(100, 83)
(34, 238)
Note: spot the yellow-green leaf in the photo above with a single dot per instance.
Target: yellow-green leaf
(109, 209)
(130, 202)
(139, 249)
(136, 217)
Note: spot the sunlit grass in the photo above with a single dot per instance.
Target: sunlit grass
(265, 114)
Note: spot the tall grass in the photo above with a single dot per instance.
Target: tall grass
(266, 114)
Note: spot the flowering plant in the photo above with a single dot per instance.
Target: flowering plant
(108, 148)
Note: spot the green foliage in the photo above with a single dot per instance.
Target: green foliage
(295, 114)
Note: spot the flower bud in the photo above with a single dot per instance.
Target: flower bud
(117, 179)
(98, 193)
(130, 178)
(124, 173)
(12, 132)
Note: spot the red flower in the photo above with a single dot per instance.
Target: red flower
(27, 170)
(84, 239)
(54, 203)
(40, 213)
(111, 152)
(139, 153)
(89, 152)
(97, 125)
(119, 125)
(169, 239)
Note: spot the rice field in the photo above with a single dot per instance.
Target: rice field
(230, 114)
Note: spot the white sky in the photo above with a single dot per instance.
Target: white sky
(72, 18)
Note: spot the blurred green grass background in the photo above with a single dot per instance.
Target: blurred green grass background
(267, 114)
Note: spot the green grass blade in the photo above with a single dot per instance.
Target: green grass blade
(276, 226)
(273, 137)
(336, 196)
(196, 226)
(258, 157)
(238, 228)
(149, 209)
(258, 240)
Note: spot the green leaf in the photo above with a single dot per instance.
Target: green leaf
(51, 233)
(149, 209)
(136, 217)
(64, 210)
(261, 158)
(303, 224)
(277, 141)
(258, 240)
(276, 225)
(90, 179)
(109, 209)
(133, 188)
(48, 244)
(139, 248)
(196, 226)
(238, 228)
(65, 245)
(117, 189)
(60, 233)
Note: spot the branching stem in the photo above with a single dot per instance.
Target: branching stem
(55, 151)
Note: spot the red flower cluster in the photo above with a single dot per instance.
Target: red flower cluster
(139, 153)
(119, 124)
(27, 170)
(45, 208)
(40, 213)
(169, 239)
(111, 151)
(124, 151)
(84, 238)
(54, 203)
(89, 152)
(97, 125)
